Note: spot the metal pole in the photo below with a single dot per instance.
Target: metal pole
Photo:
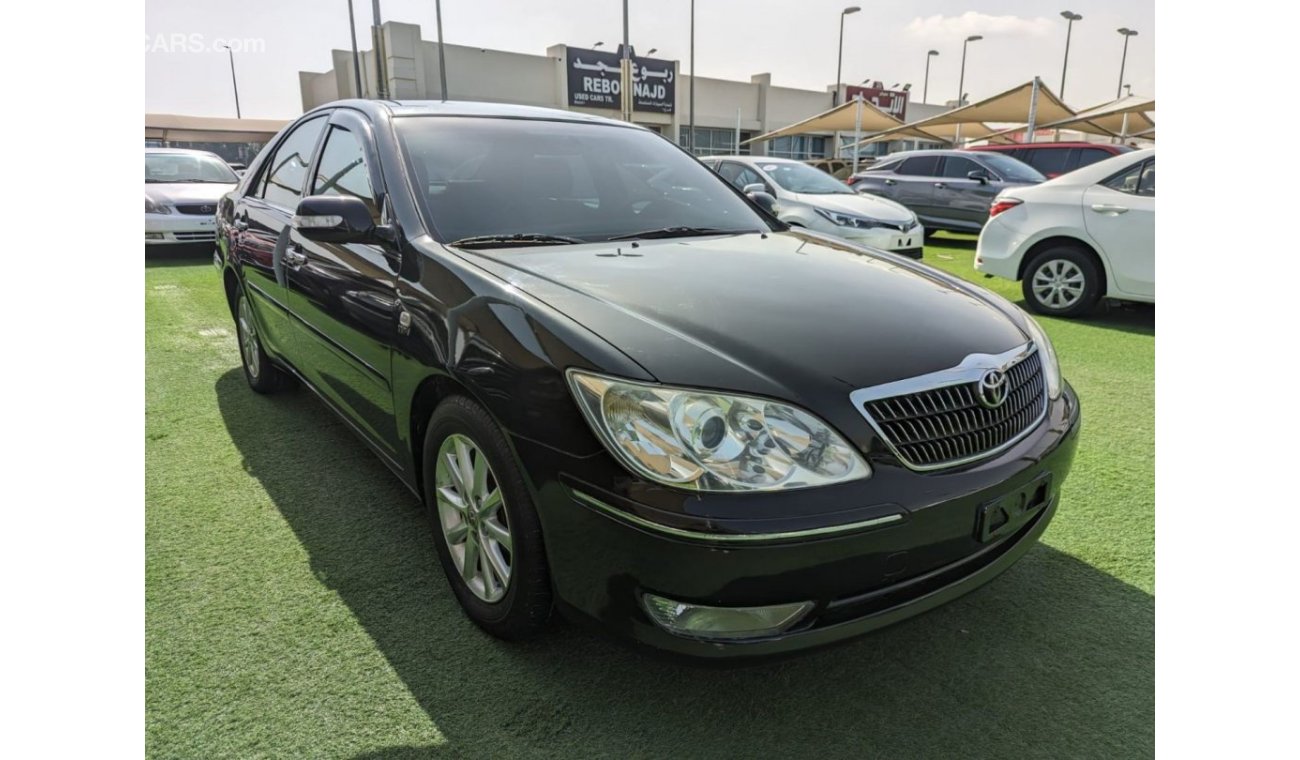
(839, 67)
(442, 60)
(1033, 112)
(233, 82)
(356, 57)
(625, 70)
(690, 136)
(925, 93)
(377, 34)
(961, 86)
(1119, 88)
(857, 130)
(737, 130)
(1069, 27)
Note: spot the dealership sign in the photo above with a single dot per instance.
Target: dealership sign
(892, 102)
(594, 81)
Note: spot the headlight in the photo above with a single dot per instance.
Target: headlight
(1051, 368)
(153, 207)
(848, 220)
(709, 441)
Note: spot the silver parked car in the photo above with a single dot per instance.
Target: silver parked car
(811, 198)
(948, 189)
(181, 190)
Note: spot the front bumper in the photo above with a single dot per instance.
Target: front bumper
(906, 243)
(174, 229)
(604, 555)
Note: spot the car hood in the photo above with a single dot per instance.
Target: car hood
(870, 206)
(788, 314)
(186, 192)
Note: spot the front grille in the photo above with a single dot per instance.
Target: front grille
(199, 237)
(945, 426)
(197, 209)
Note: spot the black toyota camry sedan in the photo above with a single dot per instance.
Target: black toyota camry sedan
(625, 392)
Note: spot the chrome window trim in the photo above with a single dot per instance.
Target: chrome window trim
(694, 535)
(970, 370)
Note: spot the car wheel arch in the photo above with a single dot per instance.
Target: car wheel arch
(1072, 242)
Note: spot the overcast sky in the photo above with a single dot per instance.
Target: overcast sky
(794, 40)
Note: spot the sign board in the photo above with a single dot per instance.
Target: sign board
(892, 102)
(594, 81)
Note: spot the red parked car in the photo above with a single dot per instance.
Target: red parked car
(1056, 158)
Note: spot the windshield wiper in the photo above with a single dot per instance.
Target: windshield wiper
(672, 232)
(519, 238)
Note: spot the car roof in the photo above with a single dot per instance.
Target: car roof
(1062, 144)
(406, 108)
(756, 159)
(915, 153)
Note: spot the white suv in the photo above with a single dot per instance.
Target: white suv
(1077, 238)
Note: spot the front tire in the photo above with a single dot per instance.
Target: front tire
(1062, 281)
(262, 375)
(484, 523)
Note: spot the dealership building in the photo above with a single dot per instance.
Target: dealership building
(587, 81)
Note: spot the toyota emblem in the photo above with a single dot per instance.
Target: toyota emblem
(992, 389)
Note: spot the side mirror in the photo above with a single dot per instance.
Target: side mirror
(763, 199)
(754, 187)
(979, 176)
(334, 219)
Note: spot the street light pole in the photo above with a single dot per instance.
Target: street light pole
(625, 70)
(1127, 33)
(1070, 17)
(442, 60)
(377, 34)
(233, 82)
(925, 92)
(690, 134)
(839, 69)
(961, 85)
(356, 58)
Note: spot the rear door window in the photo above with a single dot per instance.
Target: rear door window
(1049, 161)
(920, 166)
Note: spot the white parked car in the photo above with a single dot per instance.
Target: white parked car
(181, 190)
(811, 198)
(1078, 238)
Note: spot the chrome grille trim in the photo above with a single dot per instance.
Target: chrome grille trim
(933, 421)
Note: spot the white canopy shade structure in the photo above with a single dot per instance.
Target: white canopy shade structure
(1127, 117)
(842, 118)
(1031, 103)
(855, 116)
(942, 133)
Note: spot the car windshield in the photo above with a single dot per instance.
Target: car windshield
(186, 167)
(802, 178)
(556, 182)
(1012, 169)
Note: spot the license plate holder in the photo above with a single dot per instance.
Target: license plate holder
(1007, 513)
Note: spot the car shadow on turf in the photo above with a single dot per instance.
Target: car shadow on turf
(1052, 659)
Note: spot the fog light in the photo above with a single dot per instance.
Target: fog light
(153, 236)
(701, 622)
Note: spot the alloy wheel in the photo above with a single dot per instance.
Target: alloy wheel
(248, 339)
(1058, 283)
(474, 522)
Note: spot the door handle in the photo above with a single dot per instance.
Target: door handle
(294, 258)
(891, 182)
(940, 185)
(1106, 208)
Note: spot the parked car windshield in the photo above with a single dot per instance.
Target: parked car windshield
(186, 167)
(802, 178)
(479, 177)
(1012, 169)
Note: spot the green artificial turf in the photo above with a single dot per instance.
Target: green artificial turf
(295, 608)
